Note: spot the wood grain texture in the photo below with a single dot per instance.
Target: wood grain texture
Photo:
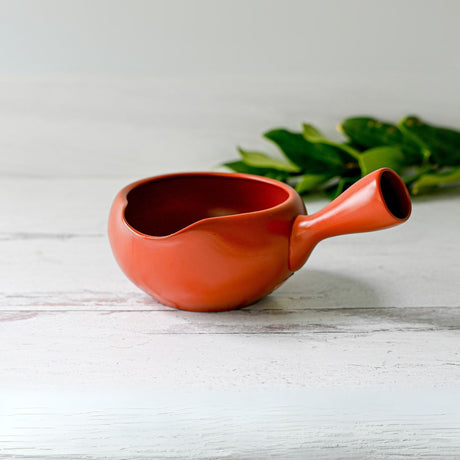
(356, 356)
(311, 349)
(248, 424)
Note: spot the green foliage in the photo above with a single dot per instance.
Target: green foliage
(426, 156)
(307, 155)
(309, 182)
(260, 160)
(241, 167)
(428, 181)
(387, 156)
(368, 132)
(440, 146)
(346, 152)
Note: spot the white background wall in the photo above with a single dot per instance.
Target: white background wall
(196, 37)
(137, 87)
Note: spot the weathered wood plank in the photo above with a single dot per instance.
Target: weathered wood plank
(261, 319)
(173, 424)
(314, 349)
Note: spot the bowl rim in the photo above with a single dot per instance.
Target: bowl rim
(292, 196)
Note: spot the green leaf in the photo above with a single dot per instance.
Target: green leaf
(311, 134)
(354, 146)
(440, 145)
(240, 167)
(369, 133)
(309, 182)
(431, 180)
(260, 160)
(310, 157)
(381, 157)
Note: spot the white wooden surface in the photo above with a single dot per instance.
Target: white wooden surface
(356, 356)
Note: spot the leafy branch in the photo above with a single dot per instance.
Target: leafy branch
(426, 156)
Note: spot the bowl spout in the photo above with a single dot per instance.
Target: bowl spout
(378, 200)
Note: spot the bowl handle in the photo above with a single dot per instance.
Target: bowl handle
(378, 200)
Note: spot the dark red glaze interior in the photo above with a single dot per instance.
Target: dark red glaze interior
(164, 206)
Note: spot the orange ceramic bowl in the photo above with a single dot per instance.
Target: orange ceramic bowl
(219, 241)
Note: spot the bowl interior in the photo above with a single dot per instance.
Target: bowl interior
(164, 206)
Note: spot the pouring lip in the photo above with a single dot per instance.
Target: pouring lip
(291, 197)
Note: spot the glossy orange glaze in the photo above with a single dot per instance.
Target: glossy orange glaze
(219, 241)
(377, 201)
